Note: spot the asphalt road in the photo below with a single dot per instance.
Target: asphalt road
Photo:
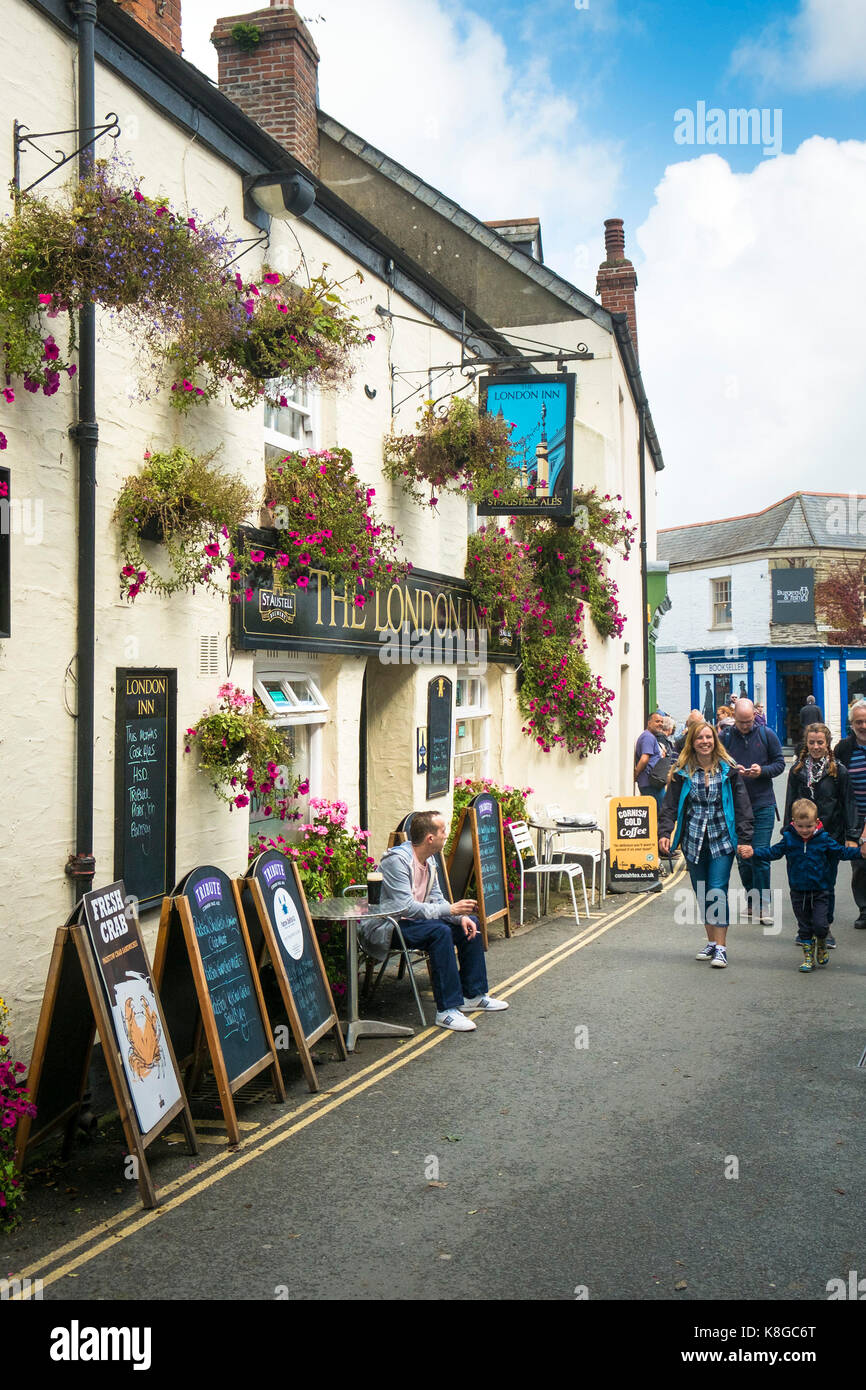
(637, 1126)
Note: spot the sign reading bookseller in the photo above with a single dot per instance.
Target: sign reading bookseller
(793, 595)
(145, 754)
(541, 409)
(438, 737)
(634, 849)
(429, 619)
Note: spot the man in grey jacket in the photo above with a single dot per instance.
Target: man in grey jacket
(411, 893)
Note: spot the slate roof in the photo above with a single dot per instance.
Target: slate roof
(803, 520)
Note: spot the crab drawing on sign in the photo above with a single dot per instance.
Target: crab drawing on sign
(142, 1031)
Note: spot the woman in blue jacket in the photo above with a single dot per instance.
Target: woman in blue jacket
(708, 814)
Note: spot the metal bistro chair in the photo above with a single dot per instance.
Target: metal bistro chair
(519, 832)
(399, 949)
(587, 852)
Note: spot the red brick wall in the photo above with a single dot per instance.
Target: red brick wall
(159, 17)
(617, 279)
(275, 83)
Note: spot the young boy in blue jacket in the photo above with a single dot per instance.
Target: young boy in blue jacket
(810, 853)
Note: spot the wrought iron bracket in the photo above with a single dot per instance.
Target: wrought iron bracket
(24, 136)
(249, 243)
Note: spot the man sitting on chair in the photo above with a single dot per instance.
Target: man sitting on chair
(411, 893)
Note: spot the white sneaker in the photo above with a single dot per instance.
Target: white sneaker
(485, 1002)
(452, 1018)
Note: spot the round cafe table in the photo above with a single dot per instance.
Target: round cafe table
(350, 911)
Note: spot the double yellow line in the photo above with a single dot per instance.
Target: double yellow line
(66, 1259)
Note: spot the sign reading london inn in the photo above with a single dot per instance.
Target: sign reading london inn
(429, 617)
(541, 411)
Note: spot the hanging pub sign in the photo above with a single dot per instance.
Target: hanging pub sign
(793, 595)
(5, 574)
(210, 987)
(541, 409)
(476, 864)
(100, 978)
(145, 759)
(427, 620)
(277, 917)
(634, 845)
(438, 737)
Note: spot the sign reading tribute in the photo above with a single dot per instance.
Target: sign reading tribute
(541, 409)
(438, 737)
(205, 970)
(634, 849)
(278, 906)
(145, 753)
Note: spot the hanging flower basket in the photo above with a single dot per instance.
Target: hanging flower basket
(243, 753)
(454, 449)
(194, 509)
(324, 519)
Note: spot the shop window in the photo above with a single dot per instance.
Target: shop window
(294, 702)
(472, 726)
(721, 601)
(291, 426)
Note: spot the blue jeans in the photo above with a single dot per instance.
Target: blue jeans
(710, 877)
(438, 939)
(753, 874)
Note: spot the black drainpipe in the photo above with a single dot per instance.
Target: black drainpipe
(81, 865)
(644, 593)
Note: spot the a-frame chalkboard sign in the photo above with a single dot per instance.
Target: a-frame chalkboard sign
(210, 987)
(277, 917)
(476, 864)
(99, 979)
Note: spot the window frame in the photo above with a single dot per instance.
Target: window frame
(716, 602)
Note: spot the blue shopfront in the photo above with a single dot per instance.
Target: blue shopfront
(781, 678)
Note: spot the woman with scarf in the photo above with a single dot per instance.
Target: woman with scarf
(818, 776)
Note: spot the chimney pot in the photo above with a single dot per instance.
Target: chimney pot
(617, 281)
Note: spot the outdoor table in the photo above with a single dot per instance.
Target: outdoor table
(547, 831)
(350, 911)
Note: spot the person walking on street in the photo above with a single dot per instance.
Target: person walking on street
(817, 776)
(707, 812)
(851, 753)
(760, 716)
(810, 714)
(693, 717)
(758, 756)
(647, 752)
(812, 857)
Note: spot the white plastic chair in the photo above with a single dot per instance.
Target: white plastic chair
(596, 855)
(519, 832)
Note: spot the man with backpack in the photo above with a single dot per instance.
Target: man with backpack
(759, 758)
(651, 764)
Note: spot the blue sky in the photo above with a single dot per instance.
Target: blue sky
(751, 279)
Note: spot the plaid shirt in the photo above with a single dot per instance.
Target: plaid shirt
(704, 815)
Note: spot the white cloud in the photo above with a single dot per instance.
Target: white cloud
(824, 45)
(750, 316)
(431, 85)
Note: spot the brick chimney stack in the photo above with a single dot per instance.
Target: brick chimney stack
(161, 18)
(617, 281)
(268, 66)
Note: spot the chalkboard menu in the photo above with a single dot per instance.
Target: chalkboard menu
(491, 886)
(214, 976)
(145, 754)
(273, 896)
(438, 737)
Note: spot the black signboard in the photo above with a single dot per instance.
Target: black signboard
(492, 891)
(793, 595)
(541, 411)
(429, 619)
(5, 575)
(438, 737)
(145, 753)
(461, 860)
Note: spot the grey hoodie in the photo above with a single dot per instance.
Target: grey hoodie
(398, 901)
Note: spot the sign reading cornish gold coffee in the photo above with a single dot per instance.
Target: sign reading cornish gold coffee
(429, 619)
(634, 845)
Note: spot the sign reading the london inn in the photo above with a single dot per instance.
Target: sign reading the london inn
(428, 619)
